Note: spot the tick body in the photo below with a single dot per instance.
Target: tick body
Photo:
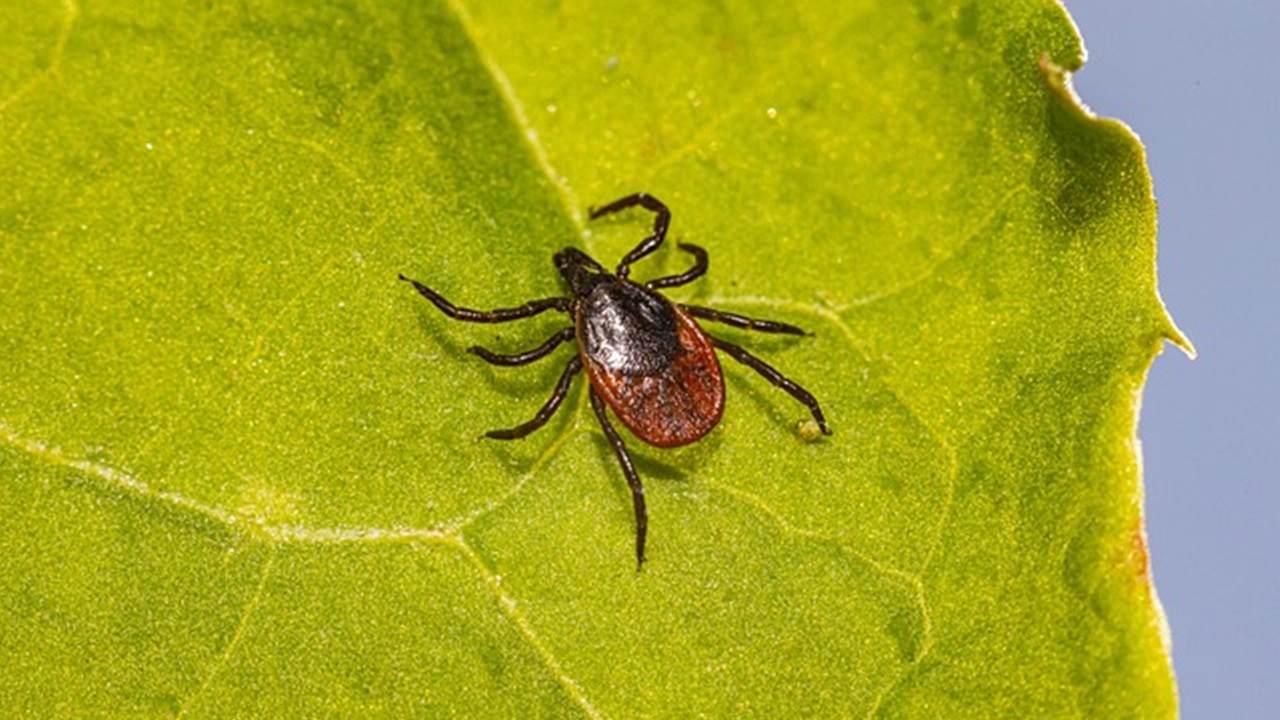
(646, 358)
(649, 362)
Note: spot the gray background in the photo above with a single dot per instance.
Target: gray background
(1198, 82)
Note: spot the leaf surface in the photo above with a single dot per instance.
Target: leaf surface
(239, 464)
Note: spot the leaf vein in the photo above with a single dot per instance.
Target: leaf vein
(114, 479)
(71, 14)
(509, 607)
(256, 526)
(831, 316)
(458, 524)
(789, 528)
(246, 615)
(910, 581)
(967, 238)
(528, 132)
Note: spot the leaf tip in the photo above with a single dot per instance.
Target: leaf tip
(1175, 336)
(1171, 332)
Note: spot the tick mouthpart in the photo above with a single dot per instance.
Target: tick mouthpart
(580, 272)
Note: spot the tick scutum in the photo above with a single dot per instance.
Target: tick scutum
(628, 329)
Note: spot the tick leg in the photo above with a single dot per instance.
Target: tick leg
(547, 410)
(529, 309)
(633, 480)
(527, 357)
(774, 377)
(740, 321)
(649, 244)
(698, 270)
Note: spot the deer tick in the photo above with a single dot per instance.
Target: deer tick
(646, 358)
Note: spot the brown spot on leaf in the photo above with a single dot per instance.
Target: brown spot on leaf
(1136, 557)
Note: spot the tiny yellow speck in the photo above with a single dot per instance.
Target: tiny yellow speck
(808, 430)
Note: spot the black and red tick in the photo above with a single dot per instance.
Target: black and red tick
(645, 356)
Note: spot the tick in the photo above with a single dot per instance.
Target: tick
(646, 357)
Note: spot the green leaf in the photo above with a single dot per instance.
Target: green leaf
(239, 466)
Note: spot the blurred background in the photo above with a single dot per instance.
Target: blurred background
(1200, 84)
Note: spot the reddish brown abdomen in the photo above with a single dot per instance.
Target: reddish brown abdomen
(672, 407)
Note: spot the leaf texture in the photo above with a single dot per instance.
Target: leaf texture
(239, 465)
